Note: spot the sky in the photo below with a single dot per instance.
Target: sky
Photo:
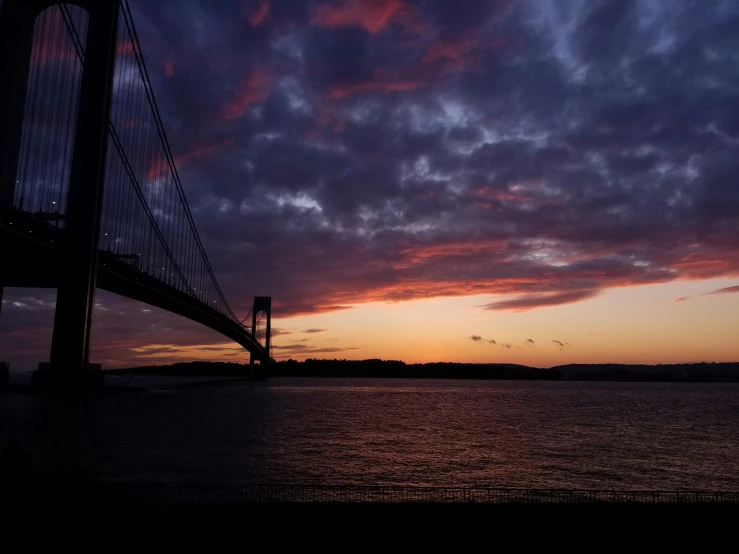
(528, 181)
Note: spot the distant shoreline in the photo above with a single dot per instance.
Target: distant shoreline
(666, 373)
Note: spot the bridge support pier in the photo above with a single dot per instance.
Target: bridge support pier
(76, 295)
(262, 304)
(65, 255)
(70, 345)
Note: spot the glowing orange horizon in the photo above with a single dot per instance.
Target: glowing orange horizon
(631, 325)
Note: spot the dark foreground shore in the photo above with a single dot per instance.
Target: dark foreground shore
(102, 518)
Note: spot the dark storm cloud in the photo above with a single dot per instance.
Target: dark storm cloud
(349, 151)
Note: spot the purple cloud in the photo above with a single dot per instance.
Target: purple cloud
(335, 153)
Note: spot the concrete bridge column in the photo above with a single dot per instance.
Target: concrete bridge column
(262, 304)
(76, 294)
(70, 345)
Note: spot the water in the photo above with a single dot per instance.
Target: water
(401, 432)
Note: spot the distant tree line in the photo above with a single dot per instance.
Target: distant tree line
(397, 369)
(376, 368)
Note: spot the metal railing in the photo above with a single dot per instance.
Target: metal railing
(177, 493)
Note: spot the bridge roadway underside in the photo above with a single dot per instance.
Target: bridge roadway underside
(31, 252)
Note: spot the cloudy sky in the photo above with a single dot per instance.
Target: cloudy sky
(536, 181)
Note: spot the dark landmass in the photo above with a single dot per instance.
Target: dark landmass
(698, 372)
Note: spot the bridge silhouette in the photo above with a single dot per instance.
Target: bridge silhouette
(90, 196)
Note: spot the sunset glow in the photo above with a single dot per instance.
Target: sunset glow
(524, 181)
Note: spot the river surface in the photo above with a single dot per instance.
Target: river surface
(400, 432)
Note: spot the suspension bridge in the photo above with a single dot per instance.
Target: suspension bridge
(90, 196)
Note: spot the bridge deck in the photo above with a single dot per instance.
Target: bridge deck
(33, 248)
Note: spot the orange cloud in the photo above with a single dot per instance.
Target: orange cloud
(178, 352)
(485, 266)
(706, 265)
(254, 88)
(416, 289)
(372, 15)
(416, 255)
(257, 17)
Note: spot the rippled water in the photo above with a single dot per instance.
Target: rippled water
(414, 432)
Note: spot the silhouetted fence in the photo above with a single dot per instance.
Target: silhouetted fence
(326, 494)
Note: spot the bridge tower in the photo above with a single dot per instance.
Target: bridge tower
(262, 304)
(76, 293)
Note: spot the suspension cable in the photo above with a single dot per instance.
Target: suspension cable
(128, 169)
